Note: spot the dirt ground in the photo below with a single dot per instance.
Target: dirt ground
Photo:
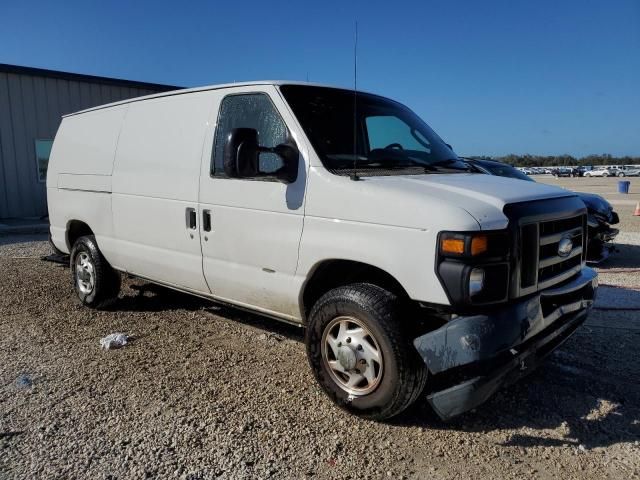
(209, 392)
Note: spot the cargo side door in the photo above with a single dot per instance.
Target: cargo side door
(155, 189)
(252, 227)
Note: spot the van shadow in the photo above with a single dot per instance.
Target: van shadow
(625, 256)
(294, 195)
(149, 297)
(617, 298)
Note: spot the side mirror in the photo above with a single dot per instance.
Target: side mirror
(241, 156)
(289, 154)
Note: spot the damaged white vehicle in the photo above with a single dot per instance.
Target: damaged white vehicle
(339, 211)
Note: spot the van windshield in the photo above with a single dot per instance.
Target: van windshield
(389, 138)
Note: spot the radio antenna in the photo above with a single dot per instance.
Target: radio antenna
(354, 175)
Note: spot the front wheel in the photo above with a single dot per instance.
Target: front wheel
(359, 353)
(621, 174)
(96, 283)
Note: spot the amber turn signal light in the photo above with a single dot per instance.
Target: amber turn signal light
(479, 245)
(452, 245)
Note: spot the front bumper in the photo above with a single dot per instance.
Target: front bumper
(471, 357)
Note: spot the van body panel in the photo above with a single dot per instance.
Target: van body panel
(90, 207)
(250, 255)
(160, 147)
(88, 183)
(79, 174)
(86, 145)
(155, 185)
(401, 252)
(159, 246)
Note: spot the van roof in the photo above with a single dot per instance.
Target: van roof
(202, 89)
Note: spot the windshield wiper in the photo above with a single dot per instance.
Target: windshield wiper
(450, 161)
(394, 164)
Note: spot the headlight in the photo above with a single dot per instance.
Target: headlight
(474, 267)
(476, 281)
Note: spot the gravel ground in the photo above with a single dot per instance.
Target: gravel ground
(208, 392)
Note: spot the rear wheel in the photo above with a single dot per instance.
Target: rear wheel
(96, 283)
(359, 353)
(621, 174)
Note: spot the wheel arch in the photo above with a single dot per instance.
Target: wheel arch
(332, 273)
(74, 230)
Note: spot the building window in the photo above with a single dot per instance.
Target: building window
(43, 150)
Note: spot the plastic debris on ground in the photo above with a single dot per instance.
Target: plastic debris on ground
(24, 381)
(114, 340)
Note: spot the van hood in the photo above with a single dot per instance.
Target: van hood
(483, 196)
(423, 201)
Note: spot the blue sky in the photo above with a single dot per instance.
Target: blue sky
(491, 77)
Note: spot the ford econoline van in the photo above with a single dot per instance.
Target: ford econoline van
(339, 211)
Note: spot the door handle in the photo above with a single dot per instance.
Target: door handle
(206, 220)
(191, 218)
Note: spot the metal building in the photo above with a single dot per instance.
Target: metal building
(32, 102)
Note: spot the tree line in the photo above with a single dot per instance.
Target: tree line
(562, 160)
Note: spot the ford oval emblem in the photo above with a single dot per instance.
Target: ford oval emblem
(565, 246)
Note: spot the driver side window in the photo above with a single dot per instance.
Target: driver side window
(386, 130)
(255, 111)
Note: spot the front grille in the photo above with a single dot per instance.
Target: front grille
(546, 273)
(542, 264)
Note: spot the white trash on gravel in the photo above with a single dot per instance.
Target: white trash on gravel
(114, 340)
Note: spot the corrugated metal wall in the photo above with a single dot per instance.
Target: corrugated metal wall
(31, 107)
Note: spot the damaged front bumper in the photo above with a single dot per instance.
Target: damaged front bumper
(599, 244)
(471, 357)
(600, 235)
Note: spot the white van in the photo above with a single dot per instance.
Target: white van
(337, 210)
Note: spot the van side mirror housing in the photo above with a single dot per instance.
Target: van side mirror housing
(289, 154)
(241, 156)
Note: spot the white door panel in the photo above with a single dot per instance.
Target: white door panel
(251, 253)
(250, 256)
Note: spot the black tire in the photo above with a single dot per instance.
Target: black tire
(106, 281)
(404, 374)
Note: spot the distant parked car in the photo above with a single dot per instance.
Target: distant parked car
(625, 171)
(600, 214)
(599, 172)
(580, 171)
(562, 172)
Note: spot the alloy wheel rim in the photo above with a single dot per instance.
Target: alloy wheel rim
(352, 355)
(85, 273)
